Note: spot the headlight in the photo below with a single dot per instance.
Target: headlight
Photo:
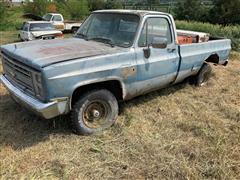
(37, 80)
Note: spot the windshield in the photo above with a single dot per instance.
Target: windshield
(115, 29)
(41, 27)
(47, 17)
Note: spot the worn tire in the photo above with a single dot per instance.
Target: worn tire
(74, 30)
(94, 112)
(203, 75)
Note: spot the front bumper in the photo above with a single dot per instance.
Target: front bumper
(46, 110)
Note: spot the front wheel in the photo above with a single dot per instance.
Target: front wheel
(19, 37)
(95, 111)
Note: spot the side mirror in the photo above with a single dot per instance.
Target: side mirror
(159, 42)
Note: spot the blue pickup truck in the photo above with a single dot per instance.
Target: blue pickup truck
(115, 55)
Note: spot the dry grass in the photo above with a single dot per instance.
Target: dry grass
(181, 132)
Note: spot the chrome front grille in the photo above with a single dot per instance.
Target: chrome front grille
(18, 74)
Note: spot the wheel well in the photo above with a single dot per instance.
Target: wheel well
(113, 86)
(214, 58)
(75, 27)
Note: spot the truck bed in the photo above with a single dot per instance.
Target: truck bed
(188, 37)
(192, 56)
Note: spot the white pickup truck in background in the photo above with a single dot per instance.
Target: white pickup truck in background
(58, 21)
(36, 30)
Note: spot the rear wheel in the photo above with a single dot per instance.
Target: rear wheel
(95, 111)
(203, 75)
(74, 30)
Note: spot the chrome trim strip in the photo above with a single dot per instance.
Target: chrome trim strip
(46, 110)
(18, 73)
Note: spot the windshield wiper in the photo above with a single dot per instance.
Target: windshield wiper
(84, 36)
(104, 40)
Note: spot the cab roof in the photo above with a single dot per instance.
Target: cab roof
(136, 12)
(37, 22)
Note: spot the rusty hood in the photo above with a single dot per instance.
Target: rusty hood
(43, 53)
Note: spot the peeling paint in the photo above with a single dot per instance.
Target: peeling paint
(128, 71)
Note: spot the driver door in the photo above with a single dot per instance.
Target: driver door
(159, 67)
(24, 32)
(57, 22)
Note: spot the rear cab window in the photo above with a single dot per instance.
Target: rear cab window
(47, 17)
(41, 27)
(57, 18)
(127, 26)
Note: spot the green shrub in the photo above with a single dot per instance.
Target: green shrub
(96, 4)
(2, 14)
(191, 10)
(225, 12)
(37, 7)
(231, 32)
(71, 9)
(76, 9)
(113, 4)
(104, 4)
(11, 18)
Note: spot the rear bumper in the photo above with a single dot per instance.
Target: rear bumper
(225, 63)
(46, 110)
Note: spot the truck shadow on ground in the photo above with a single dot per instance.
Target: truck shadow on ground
(20, 129)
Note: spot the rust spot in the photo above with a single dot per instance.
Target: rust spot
(59, 26)
(73, 48)
(127, 72)
(55, 50)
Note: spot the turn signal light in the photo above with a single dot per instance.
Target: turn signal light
(59, 35)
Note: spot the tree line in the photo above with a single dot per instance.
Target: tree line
(71, 9)
(219, 12)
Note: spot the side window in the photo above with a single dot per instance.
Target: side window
(142, 42)
(127, 26)
(25, 27)
(155, 27)
(57, 18)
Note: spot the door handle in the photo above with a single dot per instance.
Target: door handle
(171, 50)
